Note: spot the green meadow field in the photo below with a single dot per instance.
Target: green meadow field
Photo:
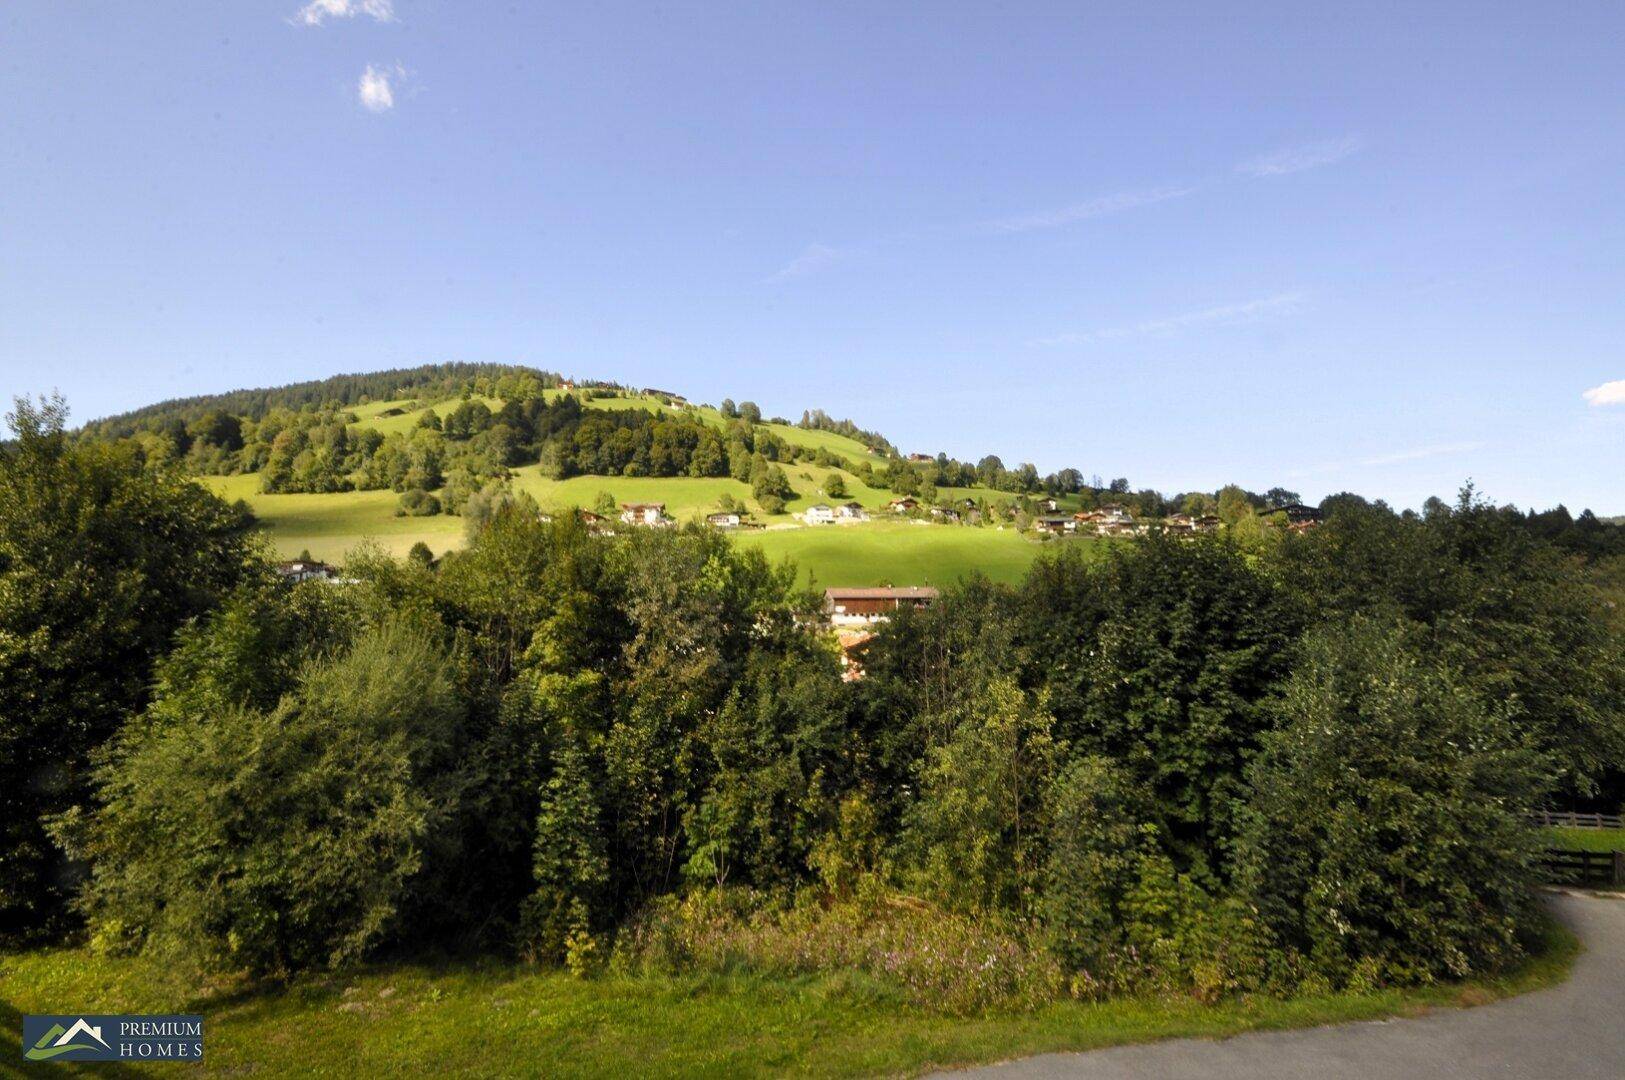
(885, 551)
(899, 552)
(875, 553)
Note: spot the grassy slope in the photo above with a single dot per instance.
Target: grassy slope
(367, 415)
(898, 553)
(328, 526)
(498, 1018)
(877, 553)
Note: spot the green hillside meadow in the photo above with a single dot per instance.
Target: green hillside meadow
(879, 552)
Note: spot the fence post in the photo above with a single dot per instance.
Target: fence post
(1619, 868)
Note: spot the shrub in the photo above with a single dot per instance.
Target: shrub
(417, 503)
(935, 959)
(1095, 841)
(1386, 830)
(282, 839)
(975, 831)
(1177, 937)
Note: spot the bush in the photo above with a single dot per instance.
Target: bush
(1385, 834)
(1177, 937)
(935, 959)
(975, 830)
(1095, 842)
(283, 839)
(417, 503)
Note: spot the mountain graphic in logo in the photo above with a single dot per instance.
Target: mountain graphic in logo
(60, 1040)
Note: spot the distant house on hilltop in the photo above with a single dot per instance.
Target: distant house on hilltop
(728, 519)
(903, 505)
(921, 458)
(1056, 524)
(858, 607)
(647, 515)
(819, 515)
(1298, 516)
(1189, 524)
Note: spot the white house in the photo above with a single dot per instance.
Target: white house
(851, 512)
(819, 515)
(651, 515)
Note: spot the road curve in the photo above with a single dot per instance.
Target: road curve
(1575, 1031)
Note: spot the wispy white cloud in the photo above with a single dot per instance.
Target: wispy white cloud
(376, 89)
(1421, 452)
(816, 257)
(1397, 457)
(1094, 208)
(1222, 315)
(1609, 393)
(319, 11)
(1298, 158)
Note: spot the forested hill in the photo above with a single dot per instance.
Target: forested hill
(426, 380)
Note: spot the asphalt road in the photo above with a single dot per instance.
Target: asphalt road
(1575, 1031)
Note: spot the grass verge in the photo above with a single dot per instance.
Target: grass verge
(498, 1018)
(1586, 839)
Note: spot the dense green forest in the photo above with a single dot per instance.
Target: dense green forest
(1252, 761)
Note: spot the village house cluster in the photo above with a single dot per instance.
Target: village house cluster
(1114, 520)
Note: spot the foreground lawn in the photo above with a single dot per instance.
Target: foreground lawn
(1587, 839)
(472, 1019)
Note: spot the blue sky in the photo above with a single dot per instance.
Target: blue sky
(1381, 251)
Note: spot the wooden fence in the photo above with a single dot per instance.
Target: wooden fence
(1570, 820)
(1585, 867)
